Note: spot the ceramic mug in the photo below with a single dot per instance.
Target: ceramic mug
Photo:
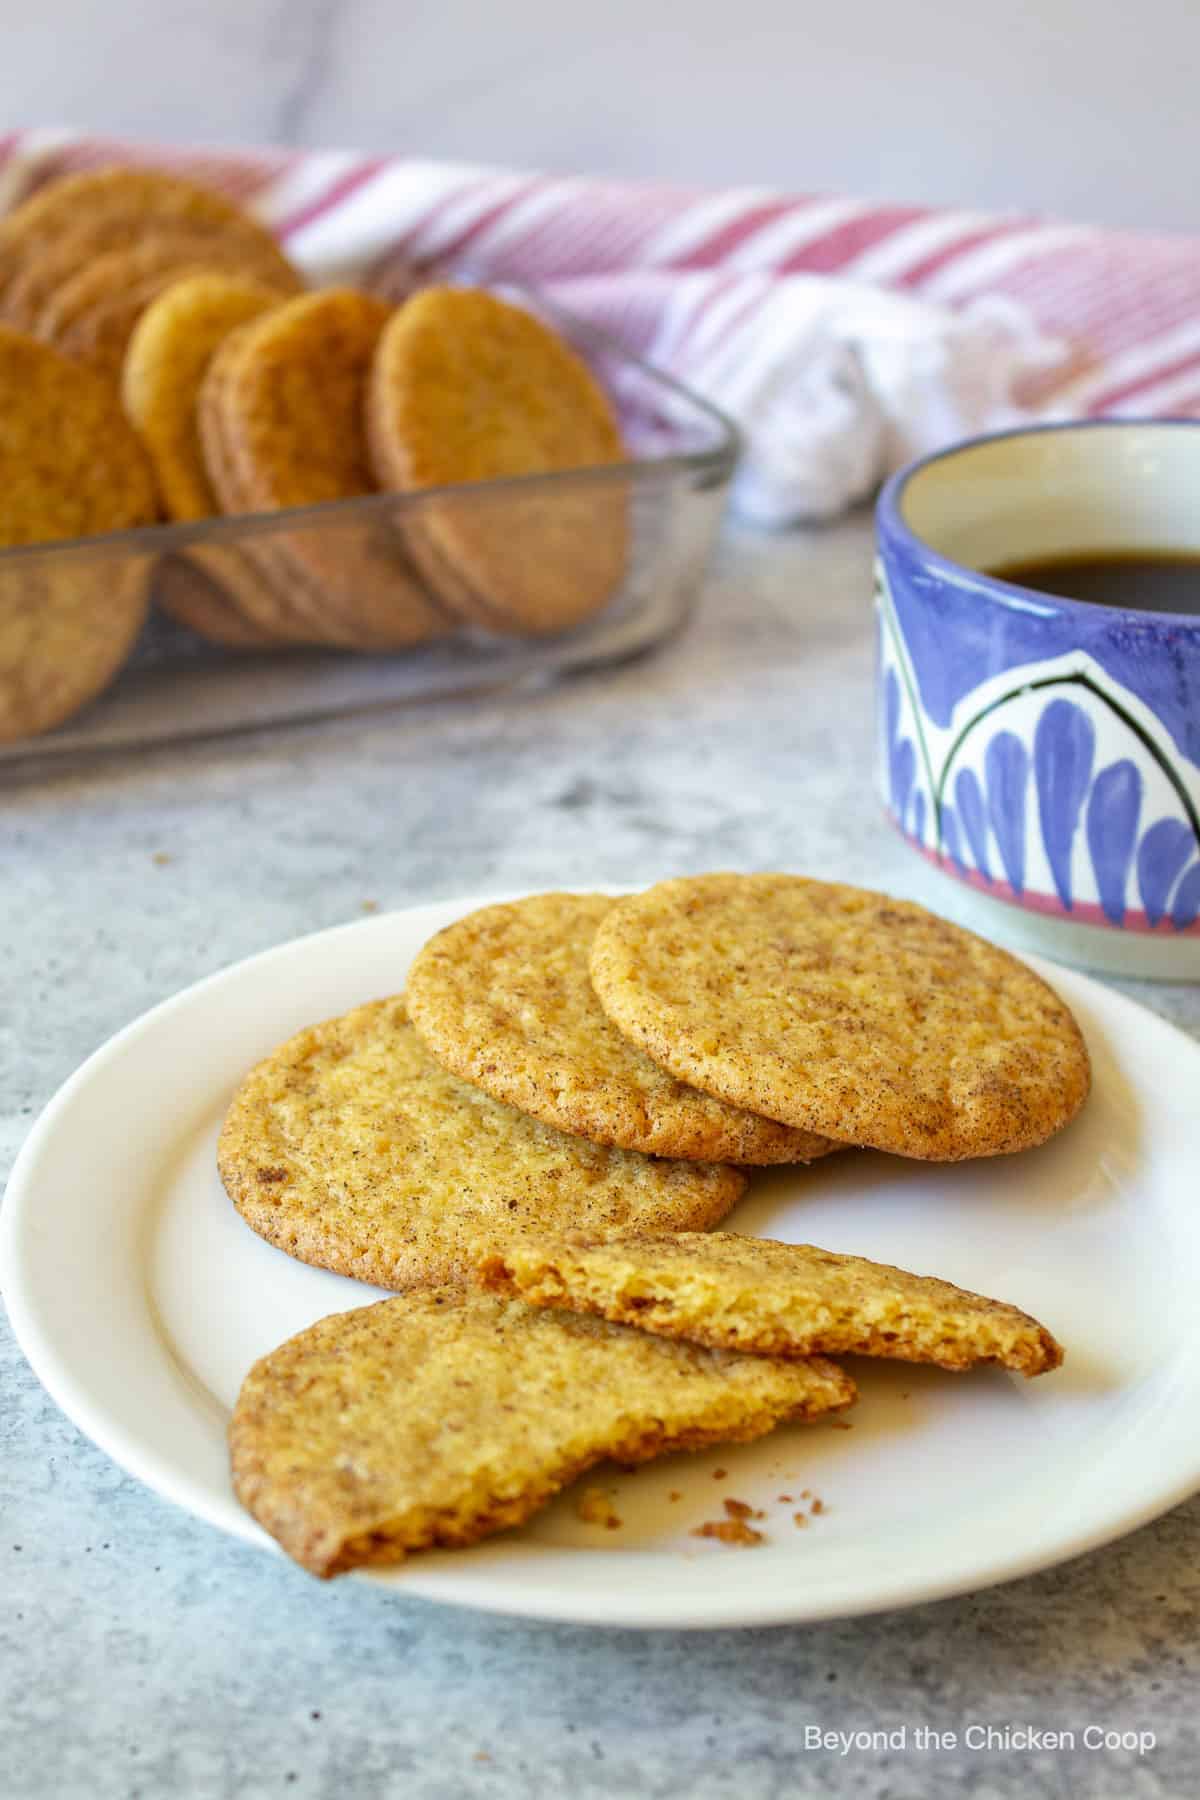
(1045, 752)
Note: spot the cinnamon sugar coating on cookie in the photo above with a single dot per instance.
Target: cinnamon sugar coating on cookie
(503, 998)
(351, 1148)
(842, 1011)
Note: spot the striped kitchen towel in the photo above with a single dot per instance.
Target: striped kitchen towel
(845, 335)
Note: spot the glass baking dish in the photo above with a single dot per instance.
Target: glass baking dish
(177, 685)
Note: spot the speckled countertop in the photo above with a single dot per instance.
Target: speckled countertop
(142, 1654)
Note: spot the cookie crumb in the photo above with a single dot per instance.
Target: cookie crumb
(800, 1520)
(841, 1424)
(674, 1494)
(784, 1499)
(818, 1506)
(740, 1509)
(482, 1756)
(370, 906)
(806, 1493)
(595, 1507)
(161, 858)
(720, 1474)
(730, 1531)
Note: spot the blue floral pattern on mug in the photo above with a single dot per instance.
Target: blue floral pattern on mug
(1051, 785)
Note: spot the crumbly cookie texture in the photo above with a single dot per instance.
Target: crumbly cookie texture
(769, 1299)
(465, 387)
(503, 998)
(842, 1011)
(443, 1416)
(351, 1148)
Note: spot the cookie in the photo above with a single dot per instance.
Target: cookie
(262, 585)
(289, 599)
(66, 258)
(94, 315)
(275, 594)
(281, 424)
(11, 258)
(842, 1011)
(65, 627)
(254, 590)
(187, 591)
(503, 999)
(64, 484)
(440, 1418)
(465, 388)
(119, 205)
(65, 632)
(168, 354)
(769, 1299)
(351, 1148)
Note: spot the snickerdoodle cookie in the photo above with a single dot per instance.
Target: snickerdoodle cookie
(503, 998)
(351, 1148)
(842, 1011)
(443, 1416)
(467, 388)
(767, 1298)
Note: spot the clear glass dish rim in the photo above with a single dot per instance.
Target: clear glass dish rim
(717, 461)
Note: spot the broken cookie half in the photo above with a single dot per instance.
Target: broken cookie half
(765, 1298)
(444, 1415)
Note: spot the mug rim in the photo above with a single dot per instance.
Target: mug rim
(890, 521)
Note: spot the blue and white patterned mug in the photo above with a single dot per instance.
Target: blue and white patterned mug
(1045, 752)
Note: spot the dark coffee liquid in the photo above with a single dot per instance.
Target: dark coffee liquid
(1135, 579)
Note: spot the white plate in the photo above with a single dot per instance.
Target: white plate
(141, 1300)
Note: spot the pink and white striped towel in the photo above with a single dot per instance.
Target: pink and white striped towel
(844, 335)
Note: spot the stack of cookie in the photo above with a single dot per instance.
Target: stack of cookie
(79, 263)
(533, 1148)
(158, 337)
(334, 395)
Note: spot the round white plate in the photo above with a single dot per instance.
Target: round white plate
(141, 1300)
